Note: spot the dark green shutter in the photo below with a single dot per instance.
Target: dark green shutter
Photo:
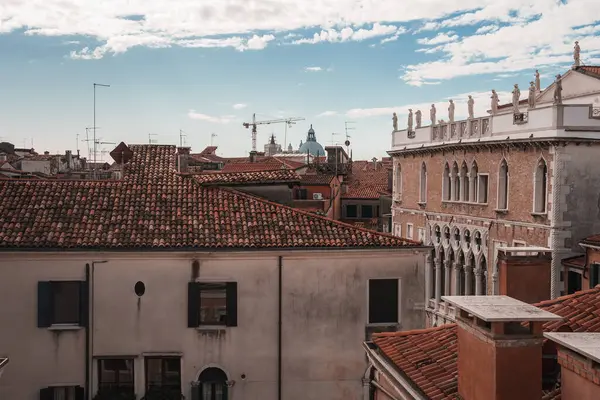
(47, 393)
(231, 289)
(79, 393)
(83, 304)
(196, 392)
(193, 305)
(45, 304)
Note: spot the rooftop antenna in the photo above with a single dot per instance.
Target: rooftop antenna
(88, 140)
(212, 136)
(98, 142)
(77, 142)
(333, 142)
(347, 142)
(182, 136)
(150, 141)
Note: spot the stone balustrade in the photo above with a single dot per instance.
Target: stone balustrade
(475, 127)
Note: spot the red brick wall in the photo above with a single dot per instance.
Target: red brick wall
(579, 380)
(526, 278)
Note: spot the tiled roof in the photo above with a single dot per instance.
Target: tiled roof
(317, 179)
(253, 167)
(590, 69)
(428, 357)
(552, 395)
(575, 261)
(244, 178)
(366, 181)
(154, 207)
(593, 240)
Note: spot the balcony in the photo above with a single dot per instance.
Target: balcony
(546, 121)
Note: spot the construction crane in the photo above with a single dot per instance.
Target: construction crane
(254, 122)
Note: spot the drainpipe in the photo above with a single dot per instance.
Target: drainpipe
(556, 222)
(89, 331)
(279, 323)
(87, 339)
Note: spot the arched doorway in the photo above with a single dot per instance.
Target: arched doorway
(212, 385)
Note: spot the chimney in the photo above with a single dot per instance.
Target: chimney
(579, 358)
(183, 154)
(69, 157)
(253, 154)
(46, 153)
(524, 273)
(499, 358)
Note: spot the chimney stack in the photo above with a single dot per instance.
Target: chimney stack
(46, 153)
(579, 358)
(183, 154)
(253, 154)
(524, 273)
(498, 357)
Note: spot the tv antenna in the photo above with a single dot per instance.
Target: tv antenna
(212, 136)
(182, 136)
(348, 128)
(150, 141)
(333, 142)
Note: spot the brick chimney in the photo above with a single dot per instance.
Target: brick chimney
(183, 154)
(524, 273)
(579, 358)
(253, 155)
(498, 357)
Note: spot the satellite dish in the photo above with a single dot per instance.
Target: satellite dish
(347, 143)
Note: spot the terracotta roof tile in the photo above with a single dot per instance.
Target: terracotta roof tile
(253, 166)
(428, 357)
(590, 69)
(317, 179)
(575, 261)
(241, 178)
(154, 207)
(552, 395)
(366, 181)
(593, 240)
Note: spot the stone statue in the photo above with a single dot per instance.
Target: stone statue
(395, 121)
(515, 99)
(410, 120)
(470, 104)
(538, 86)
(495, 102)
(451, 111)
(418, 118)
(432, 113)
(532, 92)
(558, 90)
(576, 55)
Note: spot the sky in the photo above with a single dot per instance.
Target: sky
(204, 67)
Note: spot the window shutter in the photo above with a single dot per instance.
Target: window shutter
(79, 393)
(83, 304)
(193, 304)
(231, 288)
(196, 391)
(47, 393)
(45, 306)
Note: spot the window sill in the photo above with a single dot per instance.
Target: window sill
(379, 324)
(422, 203)
(64, 327)
(468, 203)
(501, 210)
(212, 328)
(539, 214)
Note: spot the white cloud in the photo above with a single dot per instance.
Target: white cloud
(482, 104)
(192, 114)
(438, 39)
(347, 34)
(313, 69)
(327, 114)
(239, 106)
(486, 29)
(395, 36)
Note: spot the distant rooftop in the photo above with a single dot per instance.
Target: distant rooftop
(500, 308)
(584, 343)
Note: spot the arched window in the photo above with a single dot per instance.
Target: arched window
(484, 276)
(432, 281)
(540, 187)
(473, 181)
(212, 385)
(503, 186)
(464, 178)
(442, 282)
(456, 181)
(398, 181)
(471, 285)
(461, 275)
(446, 183)
(423, 184)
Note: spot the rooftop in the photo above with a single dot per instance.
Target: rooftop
(368, 180)
(154, 207)
(587, 344)
(245, 178)
(500, 308)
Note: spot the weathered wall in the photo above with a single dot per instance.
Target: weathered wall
(278, 193)
(525, 278)
(324, 318)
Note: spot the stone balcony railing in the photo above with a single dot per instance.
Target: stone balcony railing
(546, 120)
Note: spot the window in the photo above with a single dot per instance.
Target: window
(503, 186)
(62, 303)
(398, 182)
(115, 376)
(383, 301)
(62, 393)
(482, 187)
(163, 374)
(574, 283)
(464, 178)
(212, 385)
(594, 275)
(446, 183)
(212, 304)
(540, 187)
(398, 230)
(351, 211)
(456, 183)
(421, 233)
(409, 231)
(366, 211)
(302, 194)
(423, 184)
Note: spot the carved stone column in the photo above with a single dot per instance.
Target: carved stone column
(457, 268)
(447, 282)
(478, 275)
(366, 384)
(452, 186)
(429, 279)
(468, 272)
(495, 290)
(438, 282)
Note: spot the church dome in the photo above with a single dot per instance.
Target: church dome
(311, 145)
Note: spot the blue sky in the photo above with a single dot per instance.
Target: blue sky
(204, 67)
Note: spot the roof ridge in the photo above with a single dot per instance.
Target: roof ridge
(415, 331)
